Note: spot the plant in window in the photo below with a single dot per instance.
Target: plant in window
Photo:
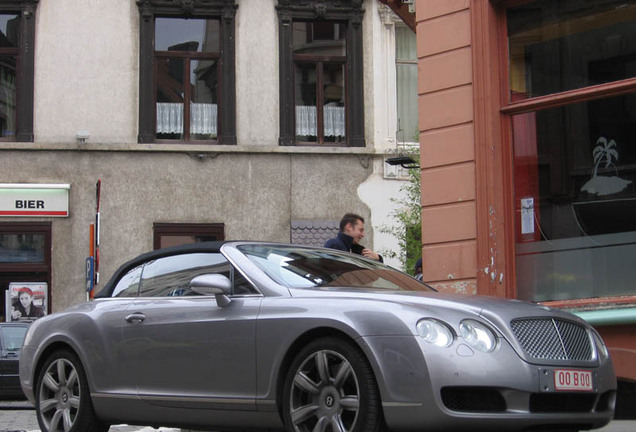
(605, 152)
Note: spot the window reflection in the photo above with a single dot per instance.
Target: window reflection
(556, 46)
(575, 197)
(187, 52)
(22, 248)
(319, 81)
(406, 82)
(171, 276)
(203, 109)
(306, 268)
(9, 43)
(176, 34)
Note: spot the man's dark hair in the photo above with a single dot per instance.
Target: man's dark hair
(350, 218)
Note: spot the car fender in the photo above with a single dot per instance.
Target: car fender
(279, 341)
(92, 342)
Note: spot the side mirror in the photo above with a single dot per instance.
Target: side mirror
(213, 284)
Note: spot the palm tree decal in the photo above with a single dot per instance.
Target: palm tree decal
(604, 151)
(601, 185)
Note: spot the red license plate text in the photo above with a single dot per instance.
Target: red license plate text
(573, 380)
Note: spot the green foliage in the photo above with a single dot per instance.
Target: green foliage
(408, 227)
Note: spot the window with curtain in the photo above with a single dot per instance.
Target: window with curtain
(187, 71)
(321, 74)
(186, 58)
(17, 34)
(319, 81)
(406, 76)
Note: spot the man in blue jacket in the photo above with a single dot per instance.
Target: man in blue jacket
(348, 239)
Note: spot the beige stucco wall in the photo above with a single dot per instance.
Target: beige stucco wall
(86, 70)
(255, 196)
(257, 70)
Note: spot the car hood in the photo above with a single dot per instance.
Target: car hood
(498, 311)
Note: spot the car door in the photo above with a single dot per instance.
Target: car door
(185, 350)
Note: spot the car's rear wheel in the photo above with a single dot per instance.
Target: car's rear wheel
(63, 402)
(330, 387)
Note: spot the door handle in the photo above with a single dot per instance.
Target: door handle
(136, 317)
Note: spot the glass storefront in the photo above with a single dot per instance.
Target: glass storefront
(574, 163)
(561, 45)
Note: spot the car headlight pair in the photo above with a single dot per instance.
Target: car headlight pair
(474, 333)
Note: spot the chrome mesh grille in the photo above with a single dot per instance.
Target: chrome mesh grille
(553, 339)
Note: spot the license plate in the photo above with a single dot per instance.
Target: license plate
(573, 380)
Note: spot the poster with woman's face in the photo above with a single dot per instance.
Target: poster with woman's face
(27, 301)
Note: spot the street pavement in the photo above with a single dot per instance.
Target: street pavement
(19, 416)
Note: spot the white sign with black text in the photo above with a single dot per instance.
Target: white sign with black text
(24, 199)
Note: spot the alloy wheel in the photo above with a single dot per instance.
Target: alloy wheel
(59, 396)
(325, 394)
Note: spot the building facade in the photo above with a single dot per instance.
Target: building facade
(182, 121)
(527, 114)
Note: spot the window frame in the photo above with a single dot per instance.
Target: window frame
(137, 275)
(25, 68)
(349, 13)
(554, 100)
(21, 272)
(402, 63)
(161, 230)
(225, 11)
(508, 109)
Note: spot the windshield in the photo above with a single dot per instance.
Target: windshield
(297, 267)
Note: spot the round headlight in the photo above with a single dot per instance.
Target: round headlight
(435, 332)
(478, 336)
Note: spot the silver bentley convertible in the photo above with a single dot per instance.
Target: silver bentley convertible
(261, 336)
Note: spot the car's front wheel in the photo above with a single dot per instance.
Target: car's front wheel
(63, 402)
(330, 387)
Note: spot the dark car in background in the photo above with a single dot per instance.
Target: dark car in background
(250, 336)
(11, 338)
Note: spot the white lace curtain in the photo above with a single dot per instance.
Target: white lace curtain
(202, 118)
(333, 117)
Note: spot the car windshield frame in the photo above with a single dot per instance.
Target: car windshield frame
(318, 268)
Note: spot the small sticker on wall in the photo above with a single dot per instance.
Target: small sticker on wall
(527, 216)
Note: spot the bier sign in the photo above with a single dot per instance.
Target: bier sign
(31, 199)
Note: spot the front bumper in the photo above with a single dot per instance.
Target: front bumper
(423, 386)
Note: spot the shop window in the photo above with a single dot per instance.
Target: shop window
(25, 257)
(187, 71)
(17, 35)
(168, 234)
(320, 74)
(572, 107)
(556, 46)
